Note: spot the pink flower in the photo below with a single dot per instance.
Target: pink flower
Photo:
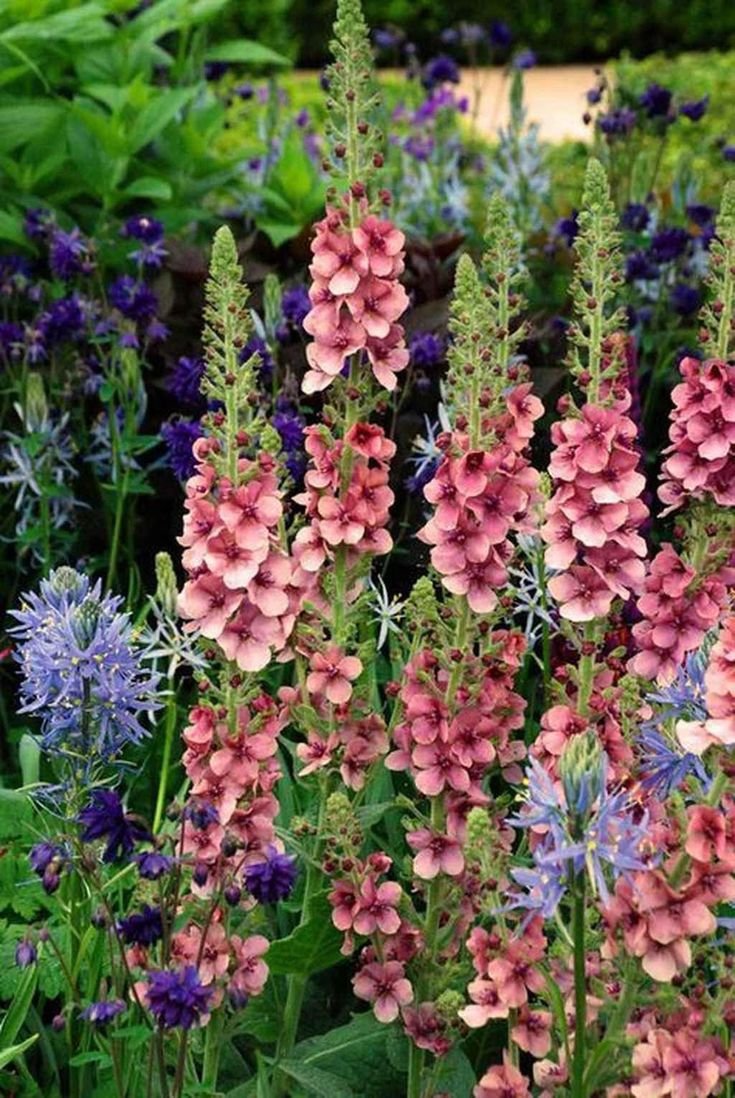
(436, 854)
(385, 986)
(388, 356)
(582, 592)
(532, 1031)
(502, 1081)
(251, 971)
(486, 1004)
(208, 605)
(375, 908)
(333, 343)
(706, 834)
(332, 674)
(382, 245)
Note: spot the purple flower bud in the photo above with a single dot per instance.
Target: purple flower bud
(25, 954)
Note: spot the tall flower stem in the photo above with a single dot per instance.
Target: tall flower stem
(580, 985)
(168, 737)
(415, 1070)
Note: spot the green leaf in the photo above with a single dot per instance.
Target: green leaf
(19, 1007)
(11, 228)
(315, 1081)
(156, 115)
(247, 52)
(454, 1074)
(24, 119)
(148, 187)
(85, 23)
(12, 1053)
(355, 1053)
(311, 948)
(371, 814)
(89, 1058)
(15, 813)
(29, 755)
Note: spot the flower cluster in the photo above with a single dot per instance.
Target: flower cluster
(701, 461)
(718, 726)
(356, 300)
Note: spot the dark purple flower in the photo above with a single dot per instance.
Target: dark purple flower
(69, 254)
(290, 426)
(133, 299)
(179, 435)
(728, 151)
(700, 214)
(63, 320)
(656, 100)
(639, 266)
(500, 34)
(143, 928)
(272, 879)
(102, 1013)
(524, 60)
(153, 864)
(202, 814)
(245, 91)
(149, 232)
(426, 349)
(258, 346)
(694, 109)
(184, 380)
(11, 339)
(25, 953)
(215, 70)
(386, 38)
(668, 244)
(567, 228)
(295, 304)
(36, 223)
(685, 299)
(15, 275)
(449, 36)
(618, 122)
(178, 999)
(441, 69)
(105, 818)
(41, 855)
(593, 95)
(635, 217)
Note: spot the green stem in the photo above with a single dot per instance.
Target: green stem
(415, 1070)
(212, 1050)
(580, 985)
(121, 495)
(168, 736)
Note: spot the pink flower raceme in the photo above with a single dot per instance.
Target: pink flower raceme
(680, 1062)
(701, 461)
(678, 608)
(503, 1081)
(356, 300)
(243, 590)
(385, 986)
(595, 513)
(480, 497)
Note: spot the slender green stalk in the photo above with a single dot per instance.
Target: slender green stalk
(415, 1070)
(212, 1051)
(580, 985)
(168, 736)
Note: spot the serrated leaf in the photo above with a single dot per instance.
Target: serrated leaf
(455, 1074)
(357, 1054)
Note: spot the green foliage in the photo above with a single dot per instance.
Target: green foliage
(312, 947)
(88, 125)
(355, 1055)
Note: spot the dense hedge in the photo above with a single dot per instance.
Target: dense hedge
(558, 30)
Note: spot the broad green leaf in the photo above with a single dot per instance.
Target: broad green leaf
(90, 1058)
(11, 228)
(16, 1016)
(156, 115)
(9, 1054)
(148, 187)
(85, 23)
(278, 232)
(315, 1081)
(22, 120)
(29, 755)
(357, 1054)
(454, 1074)
(311, 948)
(247, 52)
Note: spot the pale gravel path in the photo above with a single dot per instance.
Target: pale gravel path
(554, 97)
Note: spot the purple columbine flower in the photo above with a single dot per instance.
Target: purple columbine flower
(133, 299)
(257, 346)
(656, 100)
(215, 70)
(152, 864)
(102, 1013)
(635, 217)
(178, 999)
(701, 214)
(143, 928)
(684, 299)
(441, 69)
(105, 818)
(69, 254)
(593, 95)
(63, 320)
(184, 380)
(618, 122)
(295, 304)
(426, 349)
(37, 223)
(25, 953)
(290, 425)
(179, 435)
(640, 267)
(500, 34)
(728, 152)
(148, 231)
(567, 228)
(384, 38)
(80, 670)
(11, 339)
(272, 879)
(694, 109)
(668, 244)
